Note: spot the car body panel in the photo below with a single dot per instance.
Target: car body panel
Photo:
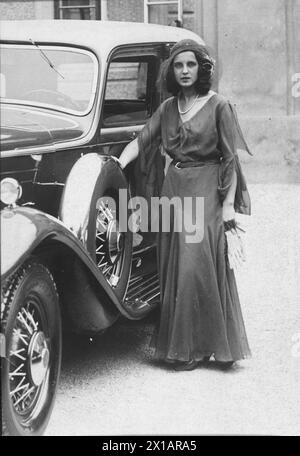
(39, 228)
(26, 127)
(112, 38)
(110, 34)
(42, 144)
(62, 120)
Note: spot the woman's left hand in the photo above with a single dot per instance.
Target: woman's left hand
(228, 212)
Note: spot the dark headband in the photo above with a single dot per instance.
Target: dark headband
(188, 45)
(193, 46)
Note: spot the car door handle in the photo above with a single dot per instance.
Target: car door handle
(133, 135)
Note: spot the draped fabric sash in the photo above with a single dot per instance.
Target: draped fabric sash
(242, 202)
(165, 128)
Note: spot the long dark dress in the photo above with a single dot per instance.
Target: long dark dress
(200, 308)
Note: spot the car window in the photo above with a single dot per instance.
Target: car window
(53, 77)
(129, 91)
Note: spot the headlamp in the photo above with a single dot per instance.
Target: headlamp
(10, 191)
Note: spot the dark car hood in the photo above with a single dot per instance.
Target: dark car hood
(29, 127)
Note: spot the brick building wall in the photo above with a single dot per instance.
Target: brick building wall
(256, 43)
(259, 80)
(125, 10)
(14, 10)
(26, 9)
(256, 55)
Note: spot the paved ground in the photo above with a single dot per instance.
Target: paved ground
(110, 386)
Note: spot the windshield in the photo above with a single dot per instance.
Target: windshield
(58, 78)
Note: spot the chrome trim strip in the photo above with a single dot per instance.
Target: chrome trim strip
(145, 285)
(152, 297)
(50, 183)
(129, 128)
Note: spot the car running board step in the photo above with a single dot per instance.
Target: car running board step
(142, 295)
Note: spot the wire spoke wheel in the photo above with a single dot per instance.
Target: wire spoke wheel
(30, 320)
(29, 361)
(109, 241)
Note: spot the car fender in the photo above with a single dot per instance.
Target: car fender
(79, 188)
(29, 232)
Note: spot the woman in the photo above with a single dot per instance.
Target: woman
(198, 129)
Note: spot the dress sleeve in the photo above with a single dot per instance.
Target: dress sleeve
(149, 166)
(149, 140)
(230, 139)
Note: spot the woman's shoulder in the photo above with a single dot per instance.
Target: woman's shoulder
(220, 100)
(168, 101)
(223, 106)
(167, 104)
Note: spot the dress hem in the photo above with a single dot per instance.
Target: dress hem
(202, 358)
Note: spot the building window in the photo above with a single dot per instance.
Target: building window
(78, 9)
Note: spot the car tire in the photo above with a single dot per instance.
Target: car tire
(31, 324)
(110, 249)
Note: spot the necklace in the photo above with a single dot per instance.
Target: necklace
(189, 108)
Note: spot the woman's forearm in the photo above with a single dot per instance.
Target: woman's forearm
(229, 200)
(130, 153)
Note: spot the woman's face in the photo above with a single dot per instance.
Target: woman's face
(185, 69)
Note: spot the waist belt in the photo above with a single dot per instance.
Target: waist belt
(191, 164)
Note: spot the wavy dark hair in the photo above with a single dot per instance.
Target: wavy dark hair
(166, 80)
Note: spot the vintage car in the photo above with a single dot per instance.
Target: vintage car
(73, 94)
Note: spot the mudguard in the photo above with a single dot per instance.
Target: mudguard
(78, 192)
(26, 231)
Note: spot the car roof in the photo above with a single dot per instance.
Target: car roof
(110, 34)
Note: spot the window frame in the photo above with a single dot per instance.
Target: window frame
(136, 54)
(59, 8)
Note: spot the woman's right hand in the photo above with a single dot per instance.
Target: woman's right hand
(129, 153)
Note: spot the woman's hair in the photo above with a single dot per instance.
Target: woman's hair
(167, 81)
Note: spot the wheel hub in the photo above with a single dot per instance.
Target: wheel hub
(115, 240)
(110, 241)
(38, 356)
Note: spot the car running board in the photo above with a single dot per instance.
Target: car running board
(142, 295)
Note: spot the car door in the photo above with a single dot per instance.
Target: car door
(129, 99)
